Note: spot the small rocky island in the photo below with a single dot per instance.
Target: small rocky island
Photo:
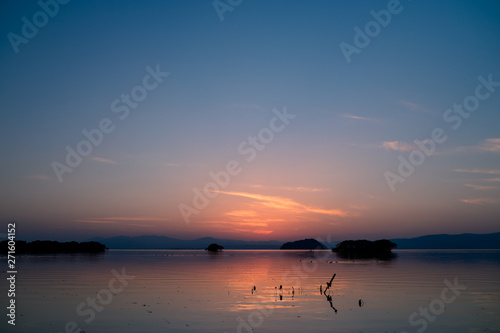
(45, 247)
(214, 248)
(305, 244)
(364, 248)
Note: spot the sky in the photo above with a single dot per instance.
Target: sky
(253, 120)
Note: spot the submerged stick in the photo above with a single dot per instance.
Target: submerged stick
(329, 284)
(329, 299)
(333, 277)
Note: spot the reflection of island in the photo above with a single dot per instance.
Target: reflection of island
(214, 248)
(53, 247)
(364, 249)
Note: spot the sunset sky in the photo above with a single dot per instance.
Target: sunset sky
(302, 110)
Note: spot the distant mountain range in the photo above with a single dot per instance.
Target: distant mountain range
(163, 242)
(443, 241)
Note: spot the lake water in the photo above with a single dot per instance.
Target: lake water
(196, 291)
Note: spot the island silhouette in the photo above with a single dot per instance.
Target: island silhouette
(214, 247)
(363, 248)
(305, 244)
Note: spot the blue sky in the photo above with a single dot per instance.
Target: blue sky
(225, 78)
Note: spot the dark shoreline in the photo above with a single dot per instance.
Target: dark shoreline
(51, 247)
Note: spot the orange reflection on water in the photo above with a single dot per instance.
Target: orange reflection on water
(177, 291)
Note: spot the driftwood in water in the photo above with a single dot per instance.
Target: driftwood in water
(329, 284)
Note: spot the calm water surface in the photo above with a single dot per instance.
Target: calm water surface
(195, 291)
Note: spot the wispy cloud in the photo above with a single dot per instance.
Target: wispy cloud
(99, 221)
(397, 145)
(480, 171)
(173, 165)
(480, 201)
(290, 188)
(119, 219)
(255, 231)
(242, 225)
(238, 222)
(409, 105)
(286, 203)
(490, 145)
(103, 160)
(351, 116)
(492, 180)
(242, 213)
(39, 177)
(480, 187)
(412, 106)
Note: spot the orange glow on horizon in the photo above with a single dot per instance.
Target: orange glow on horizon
(265, 214)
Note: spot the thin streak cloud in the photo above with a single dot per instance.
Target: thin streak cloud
(286, 203)
(480, 201)
(490, 145)
(397, 145)
(103, 160)
(118, 219)
(291, 188)
(480, 187)
(480, 171)
(412, 106)
(39, 177)
(351, 116)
